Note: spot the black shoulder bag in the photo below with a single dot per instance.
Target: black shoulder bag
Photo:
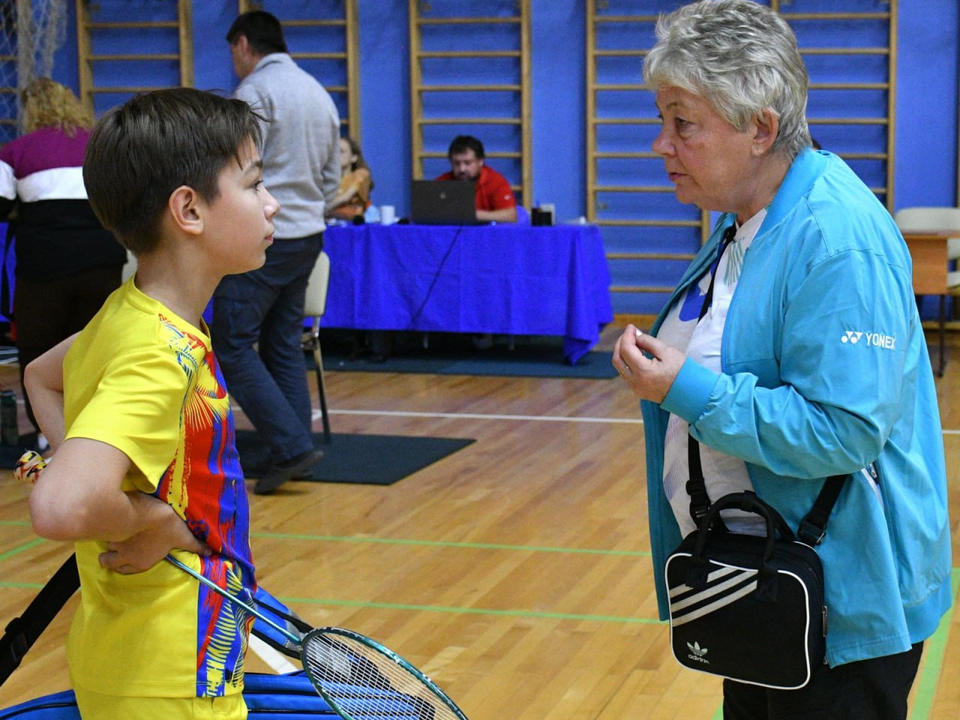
(749, 608)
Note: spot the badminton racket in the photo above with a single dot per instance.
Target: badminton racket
(358, 677)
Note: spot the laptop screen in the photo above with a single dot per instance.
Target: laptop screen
(442, 202)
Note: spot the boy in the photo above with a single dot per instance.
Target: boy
(135, 408)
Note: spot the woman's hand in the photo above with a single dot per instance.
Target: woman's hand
(647, 365)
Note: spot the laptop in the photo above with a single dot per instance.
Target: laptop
(442, 202)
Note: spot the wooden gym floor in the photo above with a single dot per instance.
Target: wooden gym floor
(515, 572)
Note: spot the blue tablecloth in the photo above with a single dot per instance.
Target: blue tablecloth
(501, 279)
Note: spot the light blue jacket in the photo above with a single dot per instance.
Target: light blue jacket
(825, 371)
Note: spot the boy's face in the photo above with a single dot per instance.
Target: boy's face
(239, 223)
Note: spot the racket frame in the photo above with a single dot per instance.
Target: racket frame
(303, 641)
(382, 650)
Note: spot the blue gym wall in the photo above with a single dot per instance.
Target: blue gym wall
(927, 98)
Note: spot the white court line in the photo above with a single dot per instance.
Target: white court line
(518, 418)
(276, 660)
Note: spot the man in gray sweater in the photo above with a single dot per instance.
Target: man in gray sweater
(258, 316)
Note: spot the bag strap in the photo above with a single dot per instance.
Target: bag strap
(697, 489)
(725, 240)
(813, 527)
(699, 499)
(22, 632)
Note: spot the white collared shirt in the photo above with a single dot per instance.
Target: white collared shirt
(701, 341)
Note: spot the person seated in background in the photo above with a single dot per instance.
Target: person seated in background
(494, 197)
(66, 263)
(352, 201)
(353, 197)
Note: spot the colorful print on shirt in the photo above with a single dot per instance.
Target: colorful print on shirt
(203, 483)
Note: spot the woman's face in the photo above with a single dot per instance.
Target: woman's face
(347, 158)
(711, 164)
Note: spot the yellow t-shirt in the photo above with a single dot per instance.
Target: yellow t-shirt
(145, 381)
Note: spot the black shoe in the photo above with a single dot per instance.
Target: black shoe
(277, 475)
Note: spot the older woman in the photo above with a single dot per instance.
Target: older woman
(796, 356)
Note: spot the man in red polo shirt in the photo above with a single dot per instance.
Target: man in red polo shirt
(494, 197)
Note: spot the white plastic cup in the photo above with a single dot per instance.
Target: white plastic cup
(388, 214)
(550, 210)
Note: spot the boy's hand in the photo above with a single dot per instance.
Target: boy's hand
(142, 551)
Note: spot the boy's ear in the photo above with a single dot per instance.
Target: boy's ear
(185, 211)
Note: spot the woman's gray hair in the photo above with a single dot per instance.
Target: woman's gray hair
(739, 56)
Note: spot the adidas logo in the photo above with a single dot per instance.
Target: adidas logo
(697, 653)
(852, 337)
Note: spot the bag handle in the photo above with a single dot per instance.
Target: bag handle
(813, 527)
(746, 501)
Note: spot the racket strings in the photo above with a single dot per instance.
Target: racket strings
(368, 685)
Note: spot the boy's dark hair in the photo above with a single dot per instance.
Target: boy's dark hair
(263, 32)
(142, 151)
(462, 143)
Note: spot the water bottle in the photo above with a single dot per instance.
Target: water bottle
(9, 428)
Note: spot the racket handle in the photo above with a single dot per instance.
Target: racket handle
(29, 467)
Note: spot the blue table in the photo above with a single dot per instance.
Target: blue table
(501, 279)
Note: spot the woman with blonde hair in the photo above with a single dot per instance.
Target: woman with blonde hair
(66, 263)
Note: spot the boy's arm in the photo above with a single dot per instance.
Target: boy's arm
(43, 381)
(79, 497)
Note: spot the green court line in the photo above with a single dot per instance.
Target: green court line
(933, 653)
(422, 543)
(21, 548)
(925, 691)
(429, 608)
(442, 544)
(18, 585)
(469, 611)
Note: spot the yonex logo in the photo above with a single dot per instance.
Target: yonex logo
(697, 653)
(853, 337)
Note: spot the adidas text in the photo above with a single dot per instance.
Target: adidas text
(697, 653)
